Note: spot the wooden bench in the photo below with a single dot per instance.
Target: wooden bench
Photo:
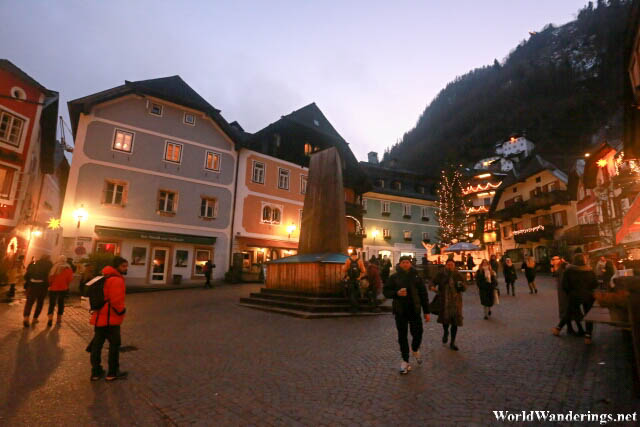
(599, 314)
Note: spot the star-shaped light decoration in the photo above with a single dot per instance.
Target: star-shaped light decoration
(601, 163)
(53, 223)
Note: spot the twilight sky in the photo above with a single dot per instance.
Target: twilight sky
(371, 66)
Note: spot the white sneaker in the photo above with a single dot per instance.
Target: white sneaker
(404, 367)
(418, 357)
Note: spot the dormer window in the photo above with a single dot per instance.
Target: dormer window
(420, 189)
(18, 93)
(189, 119)
(317, 123)
(156, 109)
(397, 185)
(380, 183)
(307, 149)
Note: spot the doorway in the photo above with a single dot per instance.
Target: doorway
(159, 265)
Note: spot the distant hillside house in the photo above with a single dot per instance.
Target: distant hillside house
(399, 212)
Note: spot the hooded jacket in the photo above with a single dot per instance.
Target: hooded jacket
(416, 298)
(579, 282)
(60, 281)
(112, 313)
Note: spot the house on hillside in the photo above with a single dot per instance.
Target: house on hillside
(508, 154)
(33, 169)
(152, 180)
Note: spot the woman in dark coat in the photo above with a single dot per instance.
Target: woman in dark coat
(510, 275)
(450, 285)
(529, 268)
(487, 283)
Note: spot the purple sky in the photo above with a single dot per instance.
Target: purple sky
(371, 66)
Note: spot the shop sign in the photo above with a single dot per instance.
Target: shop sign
(154, 235)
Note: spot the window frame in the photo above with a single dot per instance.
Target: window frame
(166, 147)
(116, 183)
(184, 118)
(288, 175)
(386, 233)
(425, 233)
(14, 183)
(382, 207)
(406, 210)
(273, 207)
(407, 235)
(304, 184)
(161, 109)
(206, 200)
(113, 141)
(264, 172)
(175, 202)
(206, 159)
(23, 129)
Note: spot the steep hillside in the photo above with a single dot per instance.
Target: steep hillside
(562, 86)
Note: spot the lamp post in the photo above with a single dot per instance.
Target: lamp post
(80, 215)
(374, 234)
(290, 229)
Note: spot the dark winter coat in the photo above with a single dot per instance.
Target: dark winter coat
(470, 263)
(38, 273)
(510, 274)
(608, 272)
(486, 288)
(417, 298)
(529, 272)
(494, 265)
(579, 282)
(450, 310)
(563, 298)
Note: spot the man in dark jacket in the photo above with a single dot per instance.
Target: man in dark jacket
(578, 281)
(409, 295)
(37, 284)
(470, 265)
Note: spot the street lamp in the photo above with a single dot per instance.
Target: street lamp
(290, 229)
(80, 215)
(374, 234)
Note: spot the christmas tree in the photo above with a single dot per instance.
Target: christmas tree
(452, 212)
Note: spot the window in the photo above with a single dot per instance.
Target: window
(515, 189)
(397, 185)
(380, 183)
(506, 231)
(138, 255)
(299, 219)
(425, 235)
(258, 173)
(406, 210)
(421, 189)
(123, 141)
(425, 212)
(189, 119)
(307, 149)
(201, 258)
(303, 184)
(271, 214)
(173, 152)
(6, 181)
(212, 161)
(167, 201)
(114, 193)
(518, 226)
(538, 179)
(560, 218)
(407, 234)
(489, 225)
(10, 128)
(364, 204)
(107, 247)
(182, 258)
(156, 109)
(283, 178)
(386, 207)
(208, 208)
(385, 233)
(18, 93)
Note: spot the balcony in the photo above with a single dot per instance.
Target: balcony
(355, 239)
(535, 234)
(582, 234)
(538, 202)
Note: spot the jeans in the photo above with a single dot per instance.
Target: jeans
(56, 296)
(574, 313)
(352, 288)
(404, 324)
(35, 293)
(111, 334)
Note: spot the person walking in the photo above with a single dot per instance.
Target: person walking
(470, 265)
(529, 268)
(410, 298)
(510, 275)
(579, 282)
(353, 271)
(107, 321)
(385, 269)
(558, 266)
(495, 265)
(36, 282)
(375, 283)
(487, 283)
(60, 275)
(15, 275)
(450, 285)
(207, 269)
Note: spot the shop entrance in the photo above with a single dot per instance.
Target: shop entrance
(159, 265)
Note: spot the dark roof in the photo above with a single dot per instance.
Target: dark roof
(7, 65)
(172, 89)
(311, 116)
(409, 180)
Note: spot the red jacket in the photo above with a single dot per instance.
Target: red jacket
(112, 313)
(60, 282)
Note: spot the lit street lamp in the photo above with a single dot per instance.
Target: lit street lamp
(290, 229)
(374, 234)
(80, 215)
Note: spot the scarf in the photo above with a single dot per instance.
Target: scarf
(59, 266)
(487, 274)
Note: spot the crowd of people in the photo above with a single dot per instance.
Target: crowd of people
(407, 288)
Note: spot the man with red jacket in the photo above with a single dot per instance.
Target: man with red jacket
(107, 322)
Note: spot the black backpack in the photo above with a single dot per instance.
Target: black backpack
(354, 269)
(95, 292)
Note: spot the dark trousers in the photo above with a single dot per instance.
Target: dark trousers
(454, 331)
(111, 334)
(352, 288)
(404, 324)
(207, 283)
(575, 311)
(12, 289)
(37, 294)
(513, 289)
(56, 297)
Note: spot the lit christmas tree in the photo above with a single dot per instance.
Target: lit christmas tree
(452, 212)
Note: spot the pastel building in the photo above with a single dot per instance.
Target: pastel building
(152, 180)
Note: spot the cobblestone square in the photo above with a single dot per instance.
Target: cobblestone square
(201, 359)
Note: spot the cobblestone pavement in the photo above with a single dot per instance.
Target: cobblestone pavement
(202, 359)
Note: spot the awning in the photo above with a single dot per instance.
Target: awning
(631, 221)
(154, 235)
(268, 243)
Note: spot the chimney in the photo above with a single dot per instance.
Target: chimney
(373, 157)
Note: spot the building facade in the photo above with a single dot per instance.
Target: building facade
(399, 212)
(33, 169)
(152, 180)
(479, 194)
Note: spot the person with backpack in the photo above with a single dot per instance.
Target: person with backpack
(60, 276)
(106, 295)
(36, 282)
(207, 269)
(353, 271)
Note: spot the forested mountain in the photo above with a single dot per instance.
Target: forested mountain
(563, 87)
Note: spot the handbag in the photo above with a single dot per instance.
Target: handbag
(496, 296)
(435, 305)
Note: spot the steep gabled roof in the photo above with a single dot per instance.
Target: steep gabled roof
(311, 116)
(172, 89)
(7, 65)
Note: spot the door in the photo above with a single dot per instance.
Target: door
(159, 265)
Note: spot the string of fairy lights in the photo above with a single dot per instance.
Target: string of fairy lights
(452, 211)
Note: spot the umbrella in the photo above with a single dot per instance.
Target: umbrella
(462, 246)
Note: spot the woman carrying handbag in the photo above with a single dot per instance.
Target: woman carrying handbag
(487, 284)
